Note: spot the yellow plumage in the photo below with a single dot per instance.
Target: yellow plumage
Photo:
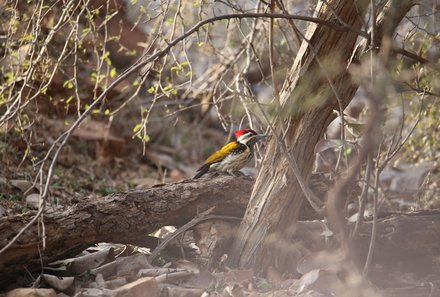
(222, 153)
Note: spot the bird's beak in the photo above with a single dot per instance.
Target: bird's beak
(261, 136)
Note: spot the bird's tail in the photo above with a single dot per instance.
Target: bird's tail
(202, 170)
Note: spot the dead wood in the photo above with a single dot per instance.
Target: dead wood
(119, 218)
(405, 242)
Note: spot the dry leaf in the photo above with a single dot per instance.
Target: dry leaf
(56, 282)
(131, 265)
(84, 263)
(21, 184)
(308, 279)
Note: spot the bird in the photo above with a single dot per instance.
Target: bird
(234, 155)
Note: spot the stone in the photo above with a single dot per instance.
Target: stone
(29, 292)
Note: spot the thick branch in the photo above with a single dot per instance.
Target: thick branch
(119, 218)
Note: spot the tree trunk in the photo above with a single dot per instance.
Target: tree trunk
(309, 101)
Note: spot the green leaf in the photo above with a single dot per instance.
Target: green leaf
(70, 99)
(68, 84)
(152, 89)
(348, 151)
(113, 72)
(176, 69)
(85, 31)
(168, 87)
(137, 128)
(27, 37)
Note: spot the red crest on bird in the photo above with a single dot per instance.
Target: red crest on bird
(244, 131)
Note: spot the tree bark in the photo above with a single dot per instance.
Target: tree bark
(308, 100)
(120, 218)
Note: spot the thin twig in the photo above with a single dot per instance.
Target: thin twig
(364, 196)
(374, 226)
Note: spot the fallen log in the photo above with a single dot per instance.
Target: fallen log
(119, 218)
(407, 242)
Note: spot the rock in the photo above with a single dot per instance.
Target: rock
(59, 283)
(98, 283)
(33, 201)
(93, 292)
(143, 287)
(29, 292)
(105, 270)
(115, 283)
(184, 292)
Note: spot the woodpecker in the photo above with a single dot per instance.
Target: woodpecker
(234, 155)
